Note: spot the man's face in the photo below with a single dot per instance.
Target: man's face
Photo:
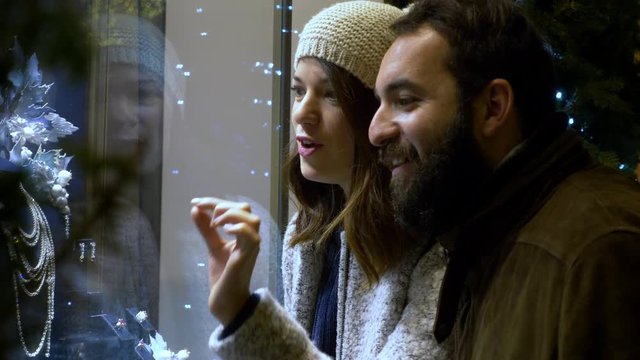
(424, 132)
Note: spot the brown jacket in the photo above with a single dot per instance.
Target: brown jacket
(554, 269)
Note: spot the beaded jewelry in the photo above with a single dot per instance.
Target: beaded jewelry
(29, 278)
(26, 120)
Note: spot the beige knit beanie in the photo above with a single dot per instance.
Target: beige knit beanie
(135, 40)
(354, 35)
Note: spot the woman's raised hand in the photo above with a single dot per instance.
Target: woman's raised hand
(231, 263)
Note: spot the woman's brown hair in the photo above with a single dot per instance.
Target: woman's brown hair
(366, 214)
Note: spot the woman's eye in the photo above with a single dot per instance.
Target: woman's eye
(331, 96)
(148, 95)
(298, 92)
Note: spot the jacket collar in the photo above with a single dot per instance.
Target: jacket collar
(517, 190)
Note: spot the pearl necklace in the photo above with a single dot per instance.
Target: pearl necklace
(27, 278)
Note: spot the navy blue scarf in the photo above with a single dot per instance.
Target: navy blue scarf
(324, 330)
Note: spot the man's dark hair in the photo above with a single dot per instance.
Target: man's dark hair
(398, 3)
(491, 39)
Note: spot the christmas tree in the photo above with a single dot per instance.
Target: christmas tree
(596, 50)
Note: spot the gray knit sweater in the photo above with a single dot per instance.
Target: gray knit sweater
(391, 320)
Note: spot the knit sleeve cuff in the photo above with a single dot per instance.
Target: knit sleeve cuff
(269, 333)
(245, 312)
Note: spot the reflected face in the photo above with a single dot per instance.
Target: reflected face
(135, 105)
(425, 134)
(323, 135)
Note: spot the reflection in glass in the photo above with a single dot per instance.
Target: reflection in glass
(134, 122)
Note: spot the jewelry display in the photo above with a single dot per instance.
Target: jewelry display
(120, 324)
(93, 251)
(30, 278)
(27, 125)
(141, 316)
(86, 248)
(151, 345)
(81, 245)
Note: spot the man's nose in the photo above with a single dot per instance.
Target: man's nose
(382, 129)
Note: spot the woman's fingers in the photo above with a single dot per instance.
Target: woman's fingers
(213, 203)
(218, 207)
(231, 263)
(205, 201)
(235, 216)
(225, 206)
(202, 219)
(244, 226)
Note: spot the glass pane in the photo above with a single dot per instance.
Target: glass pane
(217, 143)
(164, 101)
(175, 102)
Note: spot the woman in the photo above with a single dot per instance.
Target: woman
(355, 287)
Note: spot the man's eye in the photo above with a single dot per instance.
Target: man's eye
(404, 102)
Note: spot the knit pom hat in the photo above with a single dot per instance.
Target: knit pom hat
(135, 40)
(354, 35)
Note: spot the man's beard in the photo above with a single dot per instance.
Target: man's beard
(446, 181)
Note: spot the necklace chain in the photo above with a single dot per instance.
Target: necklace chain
(29, 279)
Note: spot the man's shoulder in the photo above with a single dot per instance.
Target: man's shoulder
(588, 205)
(601, 181)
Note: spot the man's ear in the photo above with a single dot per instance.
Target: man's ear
(497, 102)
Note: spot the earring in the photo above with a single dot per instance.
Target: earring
(93, 251)
(81, 251)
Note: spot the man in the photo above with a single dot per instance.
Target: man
(544, 243)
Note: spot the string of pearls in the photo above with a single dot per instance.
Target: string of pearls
(29, 279)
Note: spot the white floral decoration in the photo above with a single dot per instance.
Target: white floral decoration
(28, 123)
(161, 351)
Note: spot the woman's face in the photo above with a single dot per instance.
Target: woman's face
(323, 135)
(135, 115)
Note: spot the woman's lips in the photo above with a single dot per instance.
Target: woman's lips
(306, 151)
(306, 146)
